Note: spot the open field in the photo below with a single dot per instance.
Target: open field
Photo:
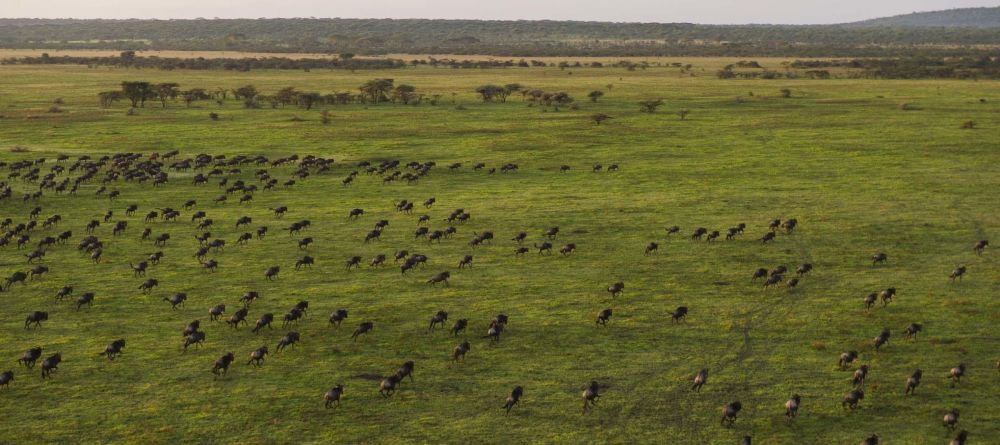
(859, 173)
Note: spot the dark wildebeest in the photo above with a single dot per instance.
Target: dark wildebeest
(652, 248)
(960, 438)
(698, 233)
(860, 375)
(729, 413)
(191, 328)
(700, 379)
(238, 317)
(912, 330)
(568, 249)
(465, 261)
(405, 370)
(604, 317)
(494, 331)
(271, 272)
(913, 382)
(195, 338)
(887, 295)
(177, 300)
(459, 326)
(852, 398)
(521, 251)
(792, 406)
(545, 247)
(846, 358)
(64, 292)
(249, 297)
(616, 289)
(590, 396)
(355, 213)
(438, 319)
(377, 261)
(879, 258)
(306, 261)
(362, 328)
(148, 285)
(957, 273)
(980, 246)
(51, 364)
(222, 364)
(338, 316)
(305, 242)
(804, 269)
(520, 237)
(773, 280)
(139, 270)
(114, 348)
(5, 378)
(882, 339)
(354, 261)
(680, 314)
(870, 301)
(441, 277)
(769, 236)
(871, 440)
(951, 419)
(333, 395)
(264, 320)
(30, 356)
(956, 374)
(513, 398)
(759, 273)
(85, 299)
(257, 356)
(551, 232)
(674, 229)
(290, 339)
(388, 385)
(36, 318)
(460, 351)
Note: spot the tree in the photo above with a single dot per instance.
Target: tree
(489, 92)
(649, 106)
(594, 95)
(246, 92)
(599, 117)
(307, 100)
(683, 113)
(166, 91)
(375, 90)
(137, 92)
(404, 93)
(509, 89)
(108, 98)
(286, 95)
(127, 58)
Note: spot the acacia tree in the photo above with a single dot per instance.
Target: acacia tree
(307, 100)
(286, 95)
(108, 98)
(164, 91)
(137, 92)
(404, 93)
(489, 92)
(649, 106)
(509, 89)
(375, 90)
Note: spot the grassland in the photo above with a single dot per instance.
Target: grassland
(860, 174)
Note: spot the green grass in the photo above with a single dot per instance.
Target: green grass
(860, 174)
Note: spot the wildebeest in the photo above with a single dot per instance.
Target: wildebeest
(438, 319)
(674, 229)
(545, 247)
(773, 280)
(305, 261)
(177, 300)
(465, 261)
(651, 248)
(879, 258)
(459, 326)
(355, 213)
(847, 358)
(405, 370)
(551, 232)
(272, 273)
(870, 301)
(195, 338)
(249, 297)
(36, 318)
(680, 314)
(871, 440)
(264, 320)
(759, 273)
(590, 396)
(960, 438)
(513, 398)
(616, 289)
(852, 398)
(792, 406)
(882, 339)
(887, 295)
(30, 356)
(85, 299)
(980, 246)
(520, 237)
(5, 378)
(769, 236)
(362, 328)
(439, 278)
(240, 316)
(912, 330)
(257, 356)
(114, 348)
(730, 411)
(604, 317)
(951, 419)
(957, 273)
(460, 351)
(51, 364)
(148, 285)
(804, 269)
(700, 379)
(913, 382)
(957, 373)
(568, 249)
(860, 375)
(222, 364)
(354, 261)
(388, 385)
(289, 339)
(333, 395)
(338, 316)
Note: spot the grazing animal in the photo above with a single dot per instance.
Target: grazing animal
(792, 283)
(673, 230)
(264, 320)
(792, 406)
(879, 258)
(405, 370)
(51, 364)
(590, 396)
(5, 378)
(459, 326)
(438, 319)
(804, 269)
(545, 247)
(513, 398)
(730, 411)
(567, 249)
(36, 318)
(958, 440)
(195, 338)
(85, 299)
(887, 295)
(871, 440)
(870, 301)
(769, 236)
(355, 213)
(680, 314)
(860, 375)
(64, 292)
(354, 261)
(980, 246)
(333, 395)
(306, 261)
(114, 349)
(441, 277)
(249, 297)
(616, 289)
(139, 270)
(494, 331)
(271, 273)
(465, 261)
(388, 385)
(521, 251)
(520, 237)
(289, 339)
(338, 316)
(222, 364)
(913, 382)
(912, 330)
(240, 316)
(177, 300)
(852, 398)
(362, 328)
(773, 280)
(551, 232)
(257, 356)
(957, 273)
(759, 273)
(951, 419)
(956, 374)
(29, 357)
(700, 379)
(148, 285)
(882, 339)
(461, 350)
(191, 328)
(604, 317)
(846, 358)
(652, 248)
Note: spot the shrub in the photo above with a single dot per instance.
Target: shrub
(213, 116)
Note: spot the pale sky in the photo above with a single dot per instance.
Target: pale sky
(696, 11)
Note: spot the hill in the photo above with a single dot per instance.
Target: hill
(961, 17)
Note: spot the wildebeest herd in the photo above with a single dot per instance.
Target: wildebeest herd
(42, 232)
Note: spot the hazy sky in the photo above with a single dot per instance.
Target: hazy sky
(697, 11)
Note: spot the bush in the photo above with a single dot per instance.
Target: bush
(786, 93)
(213, 116)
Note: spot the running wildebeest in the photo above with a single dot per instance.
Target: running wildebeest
(860, 375)
(240, 316)
(729, 413)
(85, 299)
(355, 213)
(769, 236)
(759, 273)
(616, 289)
(590, 396)
(847, 358)
(438, 319)
(773, 280)
(551, 232)
(465, 261)
(440, 277)
(306, 261)
(354, 261)
(980, 246)
(305, 242)
(405, 370)
(264, 320)
(36, 318)
(652, 248)
(871, 440)
(879, 258)
(289, 339)
(362, 328)
(177, 300)
(459, 326)
(951, 419)
(494, 331)
(567, 249)
(333, 395)
(513, 398)
(30, 356)
(804, 269)
(271, 273)
(5, 378)
(913, 382)
(680, 314)
(388, 385)
(882, 339)
(64, 292)
(521, 251)
(51, 364)
(957, 273)
(257, 356)
(195, 338)
(912, 330)
(852, 398)
(700, 379)
(148, 285)
(520, 237)
(338, 316)
(191, 328)
(545, 247)
(960, 438)
(792, 406)
(887, 295)
(222, 364)
(249, 297)
(114, 348)
(604, 317)
(460, 351)
(674, 229)
(957, 373)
